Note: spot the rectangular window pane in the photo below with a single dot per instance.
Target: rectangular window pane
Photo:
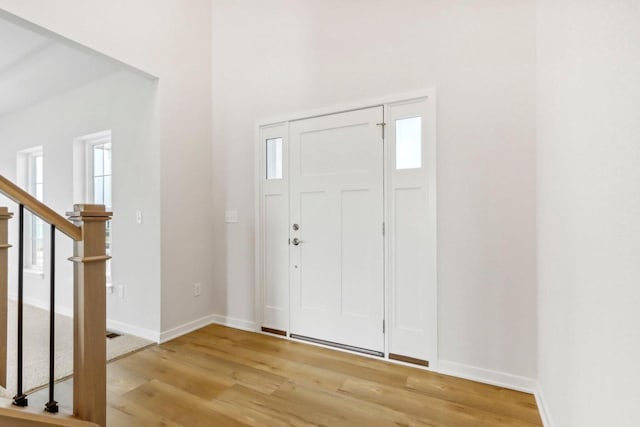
(409, 143)
(38, 244)
(39, 194)
(274, 158)
(98, 190)
(34, 227)
(107, 192)
(34, 240)
(98, 161)
(39, 170)
(107, 158)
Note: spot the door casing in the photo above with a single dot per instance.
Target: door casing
(386, 102)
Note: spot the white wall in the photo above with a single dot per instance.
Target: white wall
(589, 211)
(170, 39)
(125, 104)
(283, 56)
(289, 55)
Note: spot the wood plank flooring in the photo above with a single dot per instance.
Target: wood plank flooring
(219, 376)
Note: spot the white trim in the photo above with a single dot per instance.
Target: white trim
(185, 329)
(488, 376)
(84, 145)
(358, 105)
(128, 329)
(232, 322)
(386, 238)
(24, 178)
(543, 408)
(194, 325)
(257, 229)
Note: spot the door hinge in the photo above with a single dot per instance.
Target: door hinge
(382, 125)
(384, 329)
(384, 229)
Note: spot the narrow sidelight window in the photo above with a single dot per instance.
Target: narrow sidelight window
(274, 158)
(409, 143)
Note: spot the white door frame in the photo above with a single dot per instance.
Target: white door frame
(430, 120)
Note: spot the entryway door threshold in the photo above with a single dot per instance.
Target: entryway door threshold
(337, 345)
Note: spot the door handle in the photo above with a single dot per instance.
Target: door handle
(296, 242)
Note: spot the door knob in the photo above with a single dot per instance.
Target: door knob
(296, 241)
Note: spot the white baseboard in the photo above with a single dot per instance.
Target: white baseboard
(231, 322)
(126, 328)
(543, 408)
(185, 328)
(487, 376)
(206, 321)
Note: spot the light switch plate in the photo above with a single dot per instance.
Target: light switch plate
(231, 217)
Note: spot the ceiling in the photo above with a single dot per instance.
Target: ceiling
(35, 66)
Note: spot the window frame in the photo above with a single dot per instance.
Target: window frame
(90, 176)
(84, 170)
(27, 178)
(278, 158)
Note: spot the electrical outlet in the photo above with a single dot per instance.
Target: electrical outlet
(121, 292)
(197, 289)
(139, 217)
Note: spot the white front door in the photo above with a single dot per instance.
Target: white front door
(337, 242)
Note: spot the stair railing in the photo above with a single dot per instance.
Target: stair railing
(86, 226)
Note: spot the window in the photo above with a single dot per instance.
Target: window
(30, 176)
(101, 175)
(93, 178)
(36, 225)
(274, 158)
(409, 143)
(101, 182)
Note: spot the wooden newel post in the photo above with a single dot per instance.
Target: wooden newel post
(90, 314)
(5, 216)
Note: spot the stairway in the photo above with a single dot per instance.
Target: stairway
(86, 228)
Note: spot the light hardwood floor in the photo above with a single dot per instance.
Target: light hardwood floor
(219, 376)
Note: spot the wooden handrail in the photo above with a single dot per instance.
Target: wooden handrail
(86, 226)
(38, 208)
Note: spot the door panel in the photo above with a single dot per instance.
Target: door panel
(336, 178)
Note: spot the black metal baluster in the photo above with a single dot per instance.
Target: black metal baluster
(52, 405)
(20, 399)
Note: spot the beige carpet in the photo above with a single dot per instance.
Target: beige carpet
(36, 347)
